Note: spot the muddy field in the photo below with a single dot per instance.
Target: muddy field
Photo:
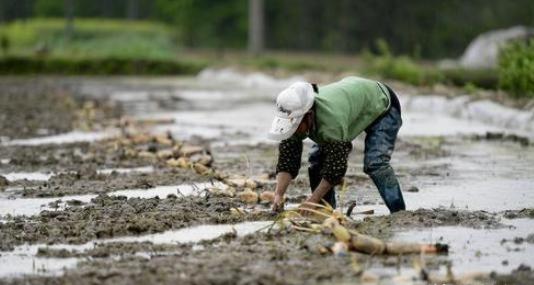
(94, 188)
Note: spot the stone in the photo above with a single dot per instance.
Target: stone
(483, 51)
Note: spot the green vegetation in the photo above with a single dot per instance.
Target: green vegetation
(404, 68)
(95, 47)
(91, 38)
(441, 29)
(401, 68)
(471, 78)
(516, 68)
(95, 66)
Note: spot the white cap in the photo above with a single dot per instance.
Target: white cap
(291, 106)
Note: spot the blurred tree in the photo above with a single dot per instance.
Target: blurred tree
(206, 23)
(5, 44)
(132, 9)
(49, 8)
(413, 27)
(69, 18)
(2, 11)
(255, 26)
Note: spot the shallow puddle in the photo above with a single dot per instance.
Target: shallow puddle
(197, 233)
(40, 176)
(423, 124)
(32, 206)
(480, 250)
(36, 176)
(65, 138)
(23, 259)
(481, 176)
(142, 169)
(14, 265)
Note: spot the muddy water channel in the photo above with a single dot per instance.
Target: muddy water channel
(75, 209)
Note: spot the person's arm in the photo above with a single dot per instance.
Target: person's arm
(287, 168)
(282, 182)
(333, 170)
(321, 190)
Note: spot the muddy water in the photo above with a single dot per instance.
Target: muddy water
(437, 155)
(71, 137)
(24, 259)
(481, 250)
(475, 175)
(32, 206)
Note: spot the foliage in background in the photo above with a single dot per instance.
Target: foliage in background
(471, 78)
(411, 27)
(91, 38)
(206, 23)
(397, 67)
(96, 66)
(516, 68)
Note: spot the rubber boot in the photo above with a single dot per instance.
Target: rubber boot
(315, 179)
(389, 188)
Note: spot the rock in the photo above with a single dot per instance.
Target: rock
(164, 153)
(530, 238)
(368, 277)
(204, 159)
(412, 189)
(523, 267)
(164, 140)
(236, 182)
(236, 212)
(267, 196)
(340, 249)
(483, 51)
(153, 147)
(3, 181)
(189, 150)
(172, 162)
(200, 168)
(225, 191)
(181, 162)
(248, 196)
(241, 182)
(140, 138)
(249, 183)
(147, 155)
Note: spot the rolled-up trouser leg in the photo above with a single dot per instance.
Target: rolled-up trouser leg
(316, 160)
(379, 145)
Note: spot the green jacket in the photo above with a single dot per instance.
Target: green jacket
(344, 109)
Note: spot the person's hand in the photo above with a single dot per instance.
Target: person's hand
(305, 205)
(278, 203)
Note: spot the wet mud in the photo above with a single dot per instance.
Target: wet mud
(107, 217)
(384, 226)
(421, 163)
(30, 109)
(267, 257)
(94, 183)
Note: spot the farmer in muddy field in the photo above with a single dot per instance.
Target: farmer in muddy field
(332, 116)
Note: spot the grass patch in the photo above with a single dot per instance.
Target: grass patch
(402, 68)
(90, 38)
(96, 66)
(95, 47)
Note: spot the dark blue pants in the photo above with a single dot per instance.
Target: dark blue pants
(379, 145)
